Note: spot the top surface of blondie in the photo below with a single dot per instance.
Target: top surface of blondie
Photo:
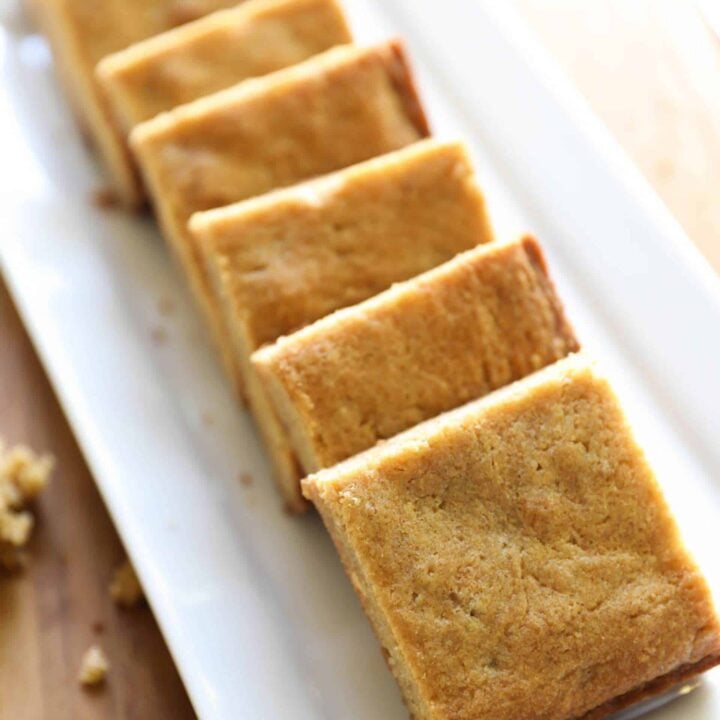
(102, 30)
(521, 553)
(365, 373)
(217, 51)
(343, 106)
(295, 255)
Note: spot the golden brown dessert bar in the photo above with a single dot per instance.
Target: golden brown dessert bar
(215, 52)
(366, 373)
(341, 107)
(81, 34)
(290, 257)
(517, 558)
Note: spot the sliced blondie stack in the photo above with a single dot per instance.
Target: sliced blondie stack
(81, 34)
(288, 258)
(363, 374)
(503, 529)
(336, 109)
(218, 51)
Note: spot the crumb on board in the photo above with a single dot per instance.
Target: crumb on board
(104, 198)
(246, 479)
(94, 667)
(125, 588)
(23, 476)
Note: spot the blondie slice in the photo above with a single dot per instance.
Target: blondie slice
(341, 107)
(215, 52)
(517, 558)
(366, 373)
(81, 34)
(290, 257)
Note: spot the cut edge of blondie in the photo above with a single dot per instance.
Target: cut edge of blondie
(415, 702)
(652, 688)
(89, 104)
(286, 467)
(201, 223)
(285, 462)
(404, 81)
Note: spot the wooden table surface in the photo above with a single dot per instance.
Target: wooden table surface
(650, 68)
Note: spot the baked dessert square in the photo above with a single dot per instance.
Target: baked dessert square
(517, 557)
(215, 52)
(338, 108)
(81, 34)
(292, 256)
(478, 322)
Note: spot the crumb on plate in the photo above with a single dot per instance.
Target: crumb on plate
(166, 306)
(105, 198)
(158, 335)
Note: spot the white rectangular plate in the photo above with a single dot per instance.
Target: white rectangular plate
(253, 603)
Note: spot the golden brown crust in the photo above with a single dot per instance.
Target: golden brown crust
(286, 468)
(482, 320)
(653, 688)
(368, 605)
(516, 557)
(80, 36)
(644, 692)
(216, 52)
(288, 258)
(331, 111)
(281, 261)
(403, 78)
(536, 256)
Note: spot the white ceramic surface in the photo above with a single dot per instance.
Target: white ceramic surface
(253, 603)
(710, 10)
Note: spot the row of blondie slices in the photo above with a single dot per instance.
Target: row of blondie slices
(365, 373)
(505, 533)
(289, 258)
(81, 34)
(124, 61)
(339, 108)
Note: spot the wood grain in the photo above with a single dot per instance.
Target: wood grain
(651, 70)
(50, 614)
